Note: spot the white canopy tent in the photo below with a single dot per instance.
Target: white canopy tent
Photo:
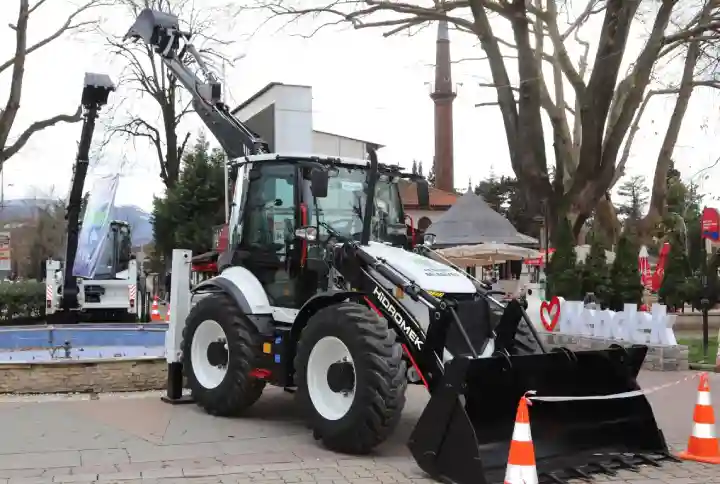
(486, 254)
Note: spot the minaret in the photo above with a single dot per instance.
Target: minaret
(443, 96)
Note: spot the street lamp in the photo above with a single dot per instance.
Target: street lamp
(544, 243)
(544, 230)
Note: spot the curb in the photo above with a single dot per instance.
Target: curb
(704, 367)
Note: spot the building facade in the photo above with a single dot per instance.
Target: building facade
(282, 115)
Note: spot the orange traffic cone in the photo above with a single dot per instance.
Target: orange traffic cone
(167, 316)
(703, 446)
(155, 311)
(521, 461)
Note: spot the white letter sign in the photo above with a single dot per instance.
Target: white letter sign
(630, 325)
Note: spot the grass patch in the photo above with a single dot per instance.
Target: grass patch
(695, 349)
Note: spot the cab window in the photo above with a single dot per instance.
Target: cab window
(270, 207)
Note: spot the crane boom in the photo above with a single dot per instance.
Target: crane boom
(97, 88)
(161, 31)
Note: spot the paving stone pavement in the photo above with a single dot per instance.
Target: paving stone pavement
(135, 438)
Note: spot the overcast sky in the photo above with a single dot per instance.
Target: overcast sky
(364, 86)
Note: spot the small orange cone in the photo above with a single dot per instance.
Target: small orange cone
(167, 316)
(703, 446)
(521, 460)
(155, 311)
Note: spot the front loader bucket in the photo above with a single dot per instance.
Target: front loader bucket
(464, 433)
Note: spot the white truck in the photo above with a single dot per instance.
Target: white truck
(112, 294)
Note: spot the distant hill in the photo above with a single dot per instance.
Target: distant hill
(139, 219)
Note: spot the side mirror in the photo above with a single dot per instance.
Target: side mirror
(396, 229)
(319, 183)
(423, 193)
(306, 233)
(428, 240)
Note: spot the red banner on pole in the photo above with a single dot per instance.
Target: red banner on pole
(710, 223)
(659, 274)
(539, 261)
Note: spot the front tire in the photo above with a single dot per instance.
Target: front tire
(220, 348)
(357, 417)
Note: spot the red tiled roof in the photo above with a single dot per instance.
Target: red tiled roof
(438, 198)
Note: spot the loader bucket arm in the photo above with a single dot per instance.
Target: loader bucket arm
(465, 431)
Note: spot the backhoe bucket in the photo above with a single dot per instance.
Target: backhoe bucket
(464, 433)
(149, 23)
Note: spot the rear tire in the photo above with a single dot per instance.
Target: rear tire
(378, 386)
(228, 390)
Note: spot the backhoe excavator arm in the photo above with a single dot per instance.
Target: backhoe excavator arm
(97, 88)
(162, 32)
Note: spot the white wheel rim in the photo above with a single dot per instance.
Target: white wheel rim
(329, 404)
(207, 375)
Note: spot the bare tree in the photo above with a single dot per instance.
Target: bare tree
(72, 23)
(592, 107)
(39, 236)
(146, 75)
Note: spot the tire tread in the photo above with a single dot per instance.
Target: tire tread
(235, 394)
(383, 399)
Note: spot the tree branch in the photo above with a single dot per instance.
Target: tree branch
(577, 121)
(560, 52)
(506, 99)
(65, 27)
(139, 128)
(17, 61)
(9, 151)
(634, 128)
(590, 9)
(658, 199)
(636, 84)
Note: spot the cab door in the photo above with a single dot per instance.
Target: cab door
(268, 235)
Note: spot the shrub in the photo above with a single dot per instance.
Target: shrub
(692, 291)
(625, 275)
(22, 302)
(562, 271)
(596, 273)
(677, 271)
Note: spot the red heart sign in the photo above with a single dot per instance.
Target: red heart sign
(550, 313)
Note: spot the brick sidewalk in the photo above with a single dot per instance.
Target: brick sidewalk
(138, 439)
(360, 471)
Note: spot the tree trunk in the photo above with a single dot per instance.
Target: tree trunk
(607, 221)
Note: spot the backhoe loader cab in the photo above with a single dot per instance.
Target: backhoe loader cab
(280, 193)
(320, 293)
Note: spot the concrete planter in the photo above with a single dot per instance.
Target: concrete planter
(121, 375)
